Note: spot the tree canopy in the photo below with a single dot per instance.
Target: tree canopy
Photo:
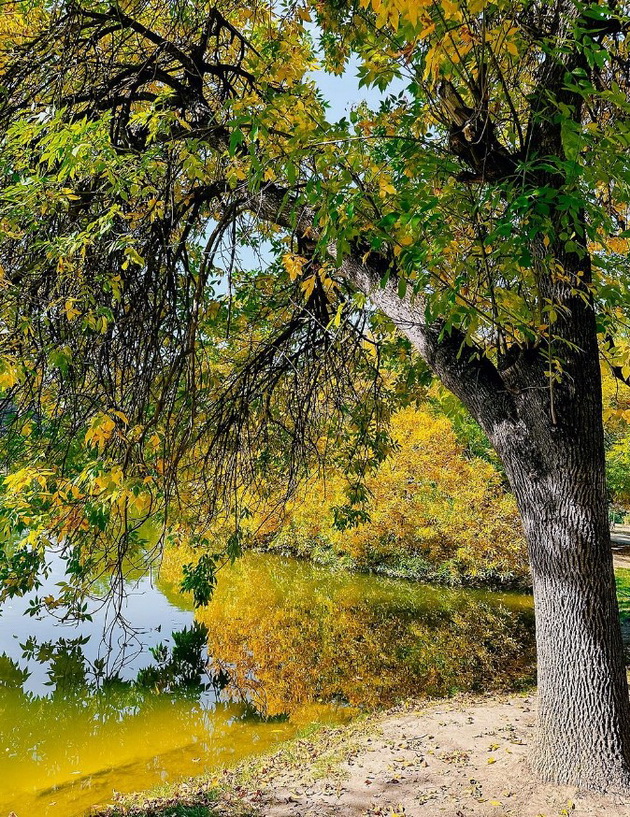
(144, 364)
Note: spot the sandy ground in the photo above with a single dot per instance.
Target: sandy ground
(620, 535)
(458, 758)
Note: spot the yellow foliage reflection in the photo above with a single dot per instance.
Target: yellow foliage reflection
(292, 635)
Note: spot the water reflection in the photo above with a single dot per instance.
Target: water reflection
(288, 643)
(114, 643)
(289, 634)
(64, 755)
(178, 666)
(82, 715)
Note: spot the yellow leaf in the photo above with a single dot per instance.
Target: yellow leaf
(426, 32)
(70, 194)
(9, 375)
(18, 480)
(452, 10)
(431, 62)
(410, 11)
(385, 187)
(293, 264)
(336, 321)
(141, 502)
(617, 245)
(71, 311)
(100, 430)
(308, 285)
(133, 257)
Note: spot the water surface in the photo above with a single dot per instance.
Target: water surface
(299, 644)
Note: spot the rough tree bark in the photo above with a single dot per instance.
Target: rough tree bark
(557, 474)
(554, 457)
(550, 438)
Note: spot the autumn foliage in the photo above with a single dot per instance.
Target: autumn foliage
(292, 636)
(434, 513)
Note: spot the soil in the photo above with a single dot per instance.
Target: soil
(621, 558)
(460, 758)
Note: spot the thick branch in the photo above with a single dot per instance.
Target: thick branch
(465, 371)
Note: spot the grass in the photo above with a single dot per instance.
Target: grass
(174, 805)
(622, 579)
(188, 811)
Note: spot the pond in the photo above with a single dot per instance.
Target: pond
(286, 644)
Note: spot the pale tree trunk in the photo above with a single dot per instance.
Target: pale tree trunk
(583, 717)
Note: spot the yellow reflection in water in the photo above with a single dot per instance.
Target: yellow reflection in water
(60, 758)
(297, 640)
(290, 634)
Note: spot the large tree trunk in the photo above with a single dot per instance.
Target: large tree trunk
(554, 457)
(583, 713)
(549, 435)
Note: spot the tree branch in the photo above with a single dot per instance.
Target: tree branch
(464, 370)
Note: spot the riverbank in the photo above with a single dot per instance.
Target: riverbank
(462, 757)
(409, 567)
(418, 569)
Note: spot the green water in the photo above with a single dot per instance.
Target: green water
(300, 644)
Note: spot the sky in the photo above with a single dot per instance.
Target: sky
(342, 94)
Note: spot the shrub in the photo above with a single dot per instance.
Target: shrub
(435, 513)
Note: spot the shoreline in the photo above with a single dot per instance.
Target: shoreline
(460, 757)
(502, 584)
(414, 760)
(496, 583)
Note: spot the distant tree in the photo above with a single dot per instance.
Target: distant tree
(435, 513)
(482, 212)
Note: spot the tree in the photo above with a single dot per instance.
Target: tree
(435, 513)
(483, 212)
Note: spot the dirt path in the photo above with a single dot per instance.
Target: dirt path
(458, 758)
